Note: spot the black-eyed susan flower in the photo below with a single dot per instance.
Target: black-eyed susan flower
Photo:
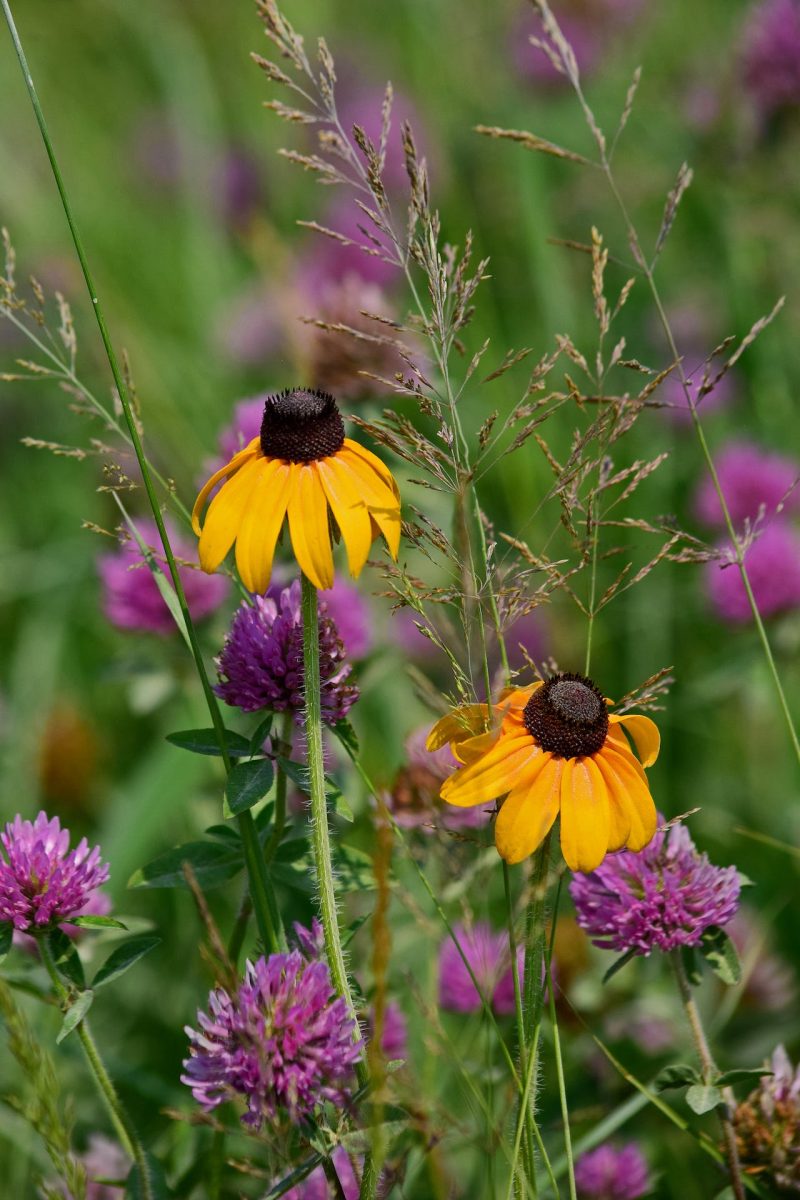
(303, 469)
(554, 748)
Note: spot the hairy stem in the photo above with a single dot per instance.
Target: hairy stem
(709, 1071)
(321, 838)
(562, 1090)
(528, 1159)
(263, 898)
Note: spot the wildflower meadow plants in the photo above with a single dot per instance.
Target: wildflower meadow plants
(386, 997)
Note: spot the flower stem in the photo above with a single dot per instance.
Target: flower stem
(319, 808)
(321, 840)
(123, 1126)
(263, 898)
(709, 1071)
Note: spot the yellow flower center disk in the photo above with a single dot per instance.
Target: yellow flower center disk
(568, 717)
(301, 426)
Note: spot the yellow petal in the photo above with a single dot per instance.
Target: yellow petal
(529, 811)
(645, 735)
(626, 785)
(374, 490)
(584, 815)
(493, 775)
(376, 463)
(226, 513)
(255, 545)
(238, 460)
(474, 748)
(308, 525)
(350, 512)
(458, 725)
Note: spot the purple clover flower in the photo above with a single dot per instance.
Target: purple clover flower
(131, 599)
(773, 567)
(771, 56)
(750, 478)
(284, 1042)
(261, 663)
(662, 897)
(612, 1173)
(488, 956)
(42, 882)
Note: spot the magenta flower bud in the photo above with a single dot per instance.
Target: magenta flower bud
(612, 1173)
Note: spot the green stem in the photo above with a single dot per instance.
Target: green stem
(321, 839)
(261, 888)
(709, 1071)
(320, 830)
(123, 1126)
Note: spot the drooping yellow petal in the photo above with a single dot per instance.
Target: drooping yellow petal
(230, 468)
(515, 698)
(617, 742)
(493, 775)
(390, 526)
(620, 816)
(645, 735)
(629, 790)
(375, 491)
(308, 525)
(529, 811)
(376, 463)
(255, 545)
(584, 815)
(474, 748)
(458, 725)
(350, 512)
(225, 515)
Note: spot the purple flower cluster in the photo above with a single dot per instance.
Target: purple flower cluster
(612, 1173)
(42, 882)
(131, 599)
(751, 479)
(662, 897)
(771, 56)
(488, 956)
(284, 1042)
(261, 663)
(773, 568)
(754, 484)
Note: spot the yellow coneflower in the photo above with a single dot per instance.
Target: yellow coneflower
(301, 467)
(555, 749)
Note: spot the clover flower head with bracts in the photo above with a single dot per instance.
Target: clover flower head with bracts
(662, 898)
(42, 882)
(284, 1042)
(261, 663)
(554, 749)
(301, 469)
(767, 1127)
(612, 1173)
